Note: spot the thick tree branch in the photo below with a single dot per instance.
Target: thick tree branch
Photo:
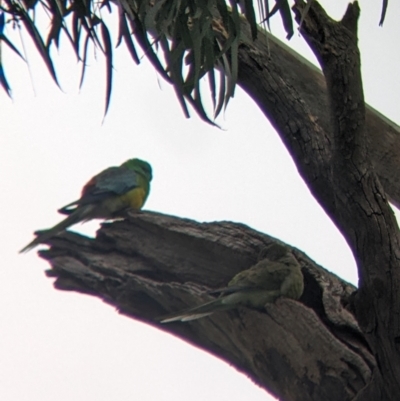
(360, 209)
(335, 163)
(151, 264)
(296, 73)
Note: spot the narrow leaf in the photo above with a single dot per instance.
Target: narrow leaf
(222, 89)
(251, 17)
(209, 63)
(196, 62)
(151, 16)
(37, 39)
(2, 22)
(198, 106)
(124, 33)
(57, 10)
(3, 79)
(384, 8)
(266, 10)
(286, 16)
(30, 4)
(76, 31)
(108, 54)
(3, 38)
(235, 14)
(262, 13)
(234, 71)
(174, 60)
(142, 39)
(211, 83)
(54, 34)
(106, 3)
(305, 12)
(85, 48)
(223, 10)
(271, 13)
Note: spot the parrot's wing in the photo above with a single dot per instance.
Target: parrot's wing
(230, 290)
(262, 275)
(265, 275)
(110, 182)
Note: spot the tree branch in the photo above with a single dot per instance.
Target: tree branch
(335, 163)
(360, 207)
(298, 74)
(151, 264)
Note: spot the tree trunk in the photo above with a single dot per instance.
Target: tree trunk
(335, 343)
(335, 162)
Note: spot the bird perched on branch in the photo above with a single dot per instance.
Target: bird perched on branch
(277, 275)
(105, 195)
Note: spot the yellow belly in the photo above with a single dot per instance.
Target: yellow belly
(134, 199)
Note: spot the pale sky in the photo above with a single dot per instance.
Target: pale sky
(63, 346)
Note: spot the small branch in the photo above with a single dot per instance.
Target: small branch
(335, 46)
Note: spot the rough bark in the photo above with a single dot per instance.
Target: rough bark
(298, 74)
(360, 208)
(337, 168)
(151, 264)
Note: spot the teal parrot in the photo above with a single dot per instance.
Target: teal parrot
(277, 275)
(104, 196)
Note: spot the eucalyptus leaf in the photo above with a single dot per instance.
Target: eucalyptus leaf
(108, 52)
(383, 14)
(38, 41)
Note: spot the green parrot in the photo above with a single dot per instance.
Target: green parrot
(104, 196)
(277, 275)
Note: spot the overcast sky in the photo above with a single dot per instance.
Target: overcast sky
(65, 346)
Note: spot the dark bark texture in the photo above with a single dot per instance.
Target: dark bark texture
(335, 343)
(334, 157)
(150, 264)
(294, 73)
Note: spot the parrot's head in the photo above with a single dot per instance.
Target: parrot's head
(140, 166)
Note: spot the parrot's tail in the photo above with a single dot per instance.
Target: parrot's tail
(197, 312)
(70, 208)
(79, 215)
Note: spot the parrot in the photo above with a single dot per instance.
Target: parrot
(278, 274)
(104, 196)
